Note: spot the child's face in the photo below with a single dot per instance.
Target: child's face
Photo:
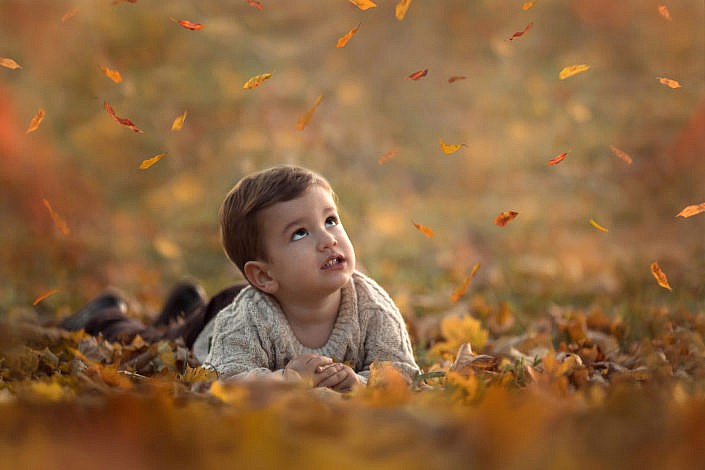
(310, 255)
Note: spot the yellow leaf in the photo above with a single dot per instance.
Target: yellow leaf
(363, 4)
(306, 117)
(179, 122)
(462, 288)
(598, 226)
(9, 63)
(691, 210)
(112, 74)
(36, 120)
(58, 221)
(256, 81)
(572, 70)
(668, 82)
(151, 161)
(459, 329)
(344, 39)
(428, 231)
(450, 148)
(660, 276)
(401, 8)
(49, 391)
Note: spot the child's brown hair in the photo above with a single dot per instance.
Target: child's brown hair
(240, 230)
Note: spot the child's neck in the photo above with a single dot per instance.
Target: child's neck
(312, 322)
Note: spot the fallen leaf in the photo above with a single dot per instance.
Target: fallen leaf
(521, 33)
(450, 148)
(122, 121)
(527, 5)
(112, 74)
(663, 11)
(598, 226)
(462, 288)
(668, 82)
(151, 161)
(256, 4)
(179, 122)
(36, 120)
(691, 210)
(45, 295)
(556, 160)
(621, 154)
(401, 8)
(306, 117)
(189, 25)
(254, 82)
(69, 14)
(503, 218)
(428, 231)
(9, 63)
(59, 222)
(344, 39)
(388, 155)
(363, 4)
(572, 70)
(455, 78)
(660, 276)
(418, 74)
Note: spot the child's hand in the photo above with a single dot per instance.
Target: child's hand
(337, 376)
(306, 365)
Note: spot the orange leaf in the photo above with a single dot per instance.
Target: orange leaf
(450, 148)
(691, 210)
(527, 5)
(668, 82)
(344, 39)
(69, 14)
(256, 4)
(9, 63)
(179, 122)
(383, 159)
(36, 120)
(122, 121)
(188, 25)
(112, 74)
(455, 78)
(660, 276)
(45, 295)
(598, 226)
(503, 218)
(428, 231)
(621, 154)
(418, 74)
(254, 82)
(462, 288)
(58, 221)
(306, 117)
(521, 33)
(663, 11)
(363, 4)
(151, 161)
(401, 8)
(572, 70)
(556, 160)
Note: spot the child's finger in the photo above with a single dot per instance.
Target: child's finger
(330, 376)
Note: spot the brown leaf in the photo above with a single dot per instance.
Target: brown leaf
(418, 74)
(59, 222)
(660, 276)
(388, 155)
(691, 210)
(521, 33)
(45, 295)
(36, 120)
(69, 14)
(503, 218)
(344, 39)
(557, 159)
(428, 231)
(306, 117)
(455, 78)
(621, 154)
(122, 121)
(462, 288)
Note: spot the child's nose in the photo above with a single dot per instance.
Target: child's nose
(327, 240)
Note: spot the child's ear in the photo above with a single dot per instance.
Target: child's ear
(257, 272)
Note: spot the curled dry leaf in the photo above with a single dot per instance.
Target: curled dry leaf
(455, 78)
(189, 25)
(418, 74)
(572, 70)
(388, 155)
(363, 4)
(503, 218)
(179, 121)
(691, 210)
(112, 74)
(521, 33)
(557, 159)
(122, 121)
(598, 226)
(306, 117)
(450, 148)
(151, 161)
(9, 63)
(44, 295)
(462, 288)
(663, 11)
(401, 8)
(36, 120)
(669, 82)
(254, 82)
(59, 222)
(344, 39)
(660, 276)
(621, 154)
(428, 231)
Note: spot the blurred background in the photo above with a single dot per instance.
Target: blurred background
(143, 230)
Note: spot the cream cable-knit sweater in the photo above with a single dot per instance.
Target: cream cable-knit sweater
(253, 336)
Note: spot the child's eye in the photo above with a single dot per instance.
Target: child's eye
(299, 234)
(331, 221)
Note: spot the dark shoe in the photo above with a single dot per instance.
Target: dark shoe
(183, 299)
(93, 308)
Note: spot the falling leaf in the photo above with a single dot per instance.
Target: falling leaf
(45, 295)
(556, 160)
(188, 25)
(418, 74)
(36, 120)
(388, 155)
(691, 210)
(112, 74)
(598, 226)
(527, 5)
(69, 14)
(151, 161)
(401, 8)
(663, 11)
(428, 231)
(9, 63)
(621, 154)
(256, 4)
(503, 218)
(462, 288)
(344, 39)
(58, 221)
(450, 148)
(179, 122)
(115, 2)
(660, 276)
(122, 121)
(572, 70)
(455, 78)
(363, 4)
(306, 117)
(256, 81)
(668, 82)
(521, 33)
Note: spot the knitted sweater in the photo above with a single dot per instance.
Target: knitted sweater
(253, 336)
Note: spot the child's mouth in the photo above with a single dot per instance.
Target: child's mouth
(334, 261)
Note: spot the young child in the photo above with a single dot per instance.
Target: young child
(307, 309)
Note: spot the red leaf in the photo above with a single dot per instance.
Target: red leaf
(188, 25)
(45, 295)
(455, 78)
(122, 121)
(256, 4)
(417, 75)
(558, 159)
(503, 218)
(521, 33)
